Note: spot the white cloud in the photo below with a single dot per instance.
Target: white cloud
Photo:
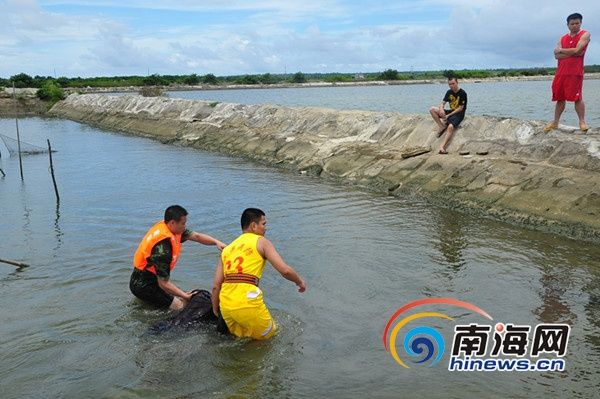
(284, 8)
(273, 36)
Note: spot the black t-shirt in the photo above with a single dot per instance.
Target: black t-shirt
(456, 100)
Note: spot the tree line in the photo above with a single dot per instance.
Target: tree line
(22, 80)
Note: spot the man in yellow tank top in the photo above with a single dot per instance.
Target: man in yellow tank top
(235, 290)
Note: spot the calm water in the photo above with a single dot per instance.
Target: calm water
(524, 100)
(70, 328)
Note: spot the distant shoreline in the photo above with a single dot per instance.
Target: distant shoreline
(132, 89)
(30, 105)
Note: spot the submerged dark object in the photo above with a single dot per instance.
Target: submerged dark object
(198, 312)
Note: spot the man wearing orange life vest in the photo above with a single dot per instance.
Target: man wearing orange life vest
(157, 255)
(235, 289)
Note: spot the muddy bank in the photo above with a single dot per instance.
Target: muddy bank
(22, 106)
(514, 172)
(23, 102)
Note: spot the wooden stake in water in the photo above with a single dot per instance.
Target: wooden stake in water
(3, 174)
(52, 172)
(14, 263)
(17, 123)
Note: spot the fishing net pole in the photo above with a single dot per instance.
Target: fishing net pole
(12, 146)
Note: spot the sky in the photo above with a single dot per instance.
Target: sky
(235, 37)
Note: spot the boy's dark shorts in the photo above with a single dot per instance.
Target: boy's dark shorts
(144, 285)
(455, 119)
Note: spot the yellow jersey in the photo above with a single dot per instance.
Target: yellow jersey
(242, 257)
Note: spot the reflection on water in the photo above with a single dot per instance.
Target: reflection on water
(451, 240)
(554, 309)
(57, 229)
(76, 331)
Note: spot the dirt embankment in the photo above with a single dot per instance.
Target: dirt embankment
(514, 172)
(25, 104)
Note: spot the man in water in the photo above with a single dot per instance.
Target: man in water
(157, 255)
(235, 290)
(448, 120)
(568, 80)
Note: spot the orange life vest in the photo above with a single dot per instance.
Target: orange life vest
(157, 233)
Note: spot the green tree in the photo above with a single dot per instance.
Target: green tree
(299, 78)
(210, 79)
(50, 91)
(21, 80)
(389, 74)
(267, 79)
(38, 80)
(247, 80)
(338, 78)
(155, 80)
(63, 81)
(191, 80)
(462, 74)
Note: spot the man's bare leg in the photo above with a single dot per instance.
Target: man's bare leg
(580, 110)
(449, 134)
(558, 110)
(435, 114)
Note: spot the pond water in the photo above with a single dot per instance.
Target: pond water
(529, 100)
(71, 328)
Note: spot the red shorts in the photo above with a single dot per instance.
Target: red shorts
(567, 88)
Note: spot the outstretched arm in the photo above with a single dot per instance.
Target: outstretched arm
(268, 251)
(216, 289)
(206, 240)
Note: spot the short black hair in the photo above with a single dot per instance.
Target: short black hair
(251, 215)
(452, 78)
(175, 212)
(575, 16)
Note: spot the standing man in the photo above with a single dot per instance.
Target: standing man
(235, 290)
(157, 255)
(568, 80)
(450, 119)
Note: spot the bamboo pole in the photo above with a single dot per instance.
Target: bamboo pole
(17, 123)
(14, 263)
(52, 172)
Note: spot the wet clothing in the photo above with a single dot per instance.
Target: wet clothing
(240, 300)
(567, 84)
(198, 312)
(144, 285)
(455, 100)
(255, 322)
(154, 259)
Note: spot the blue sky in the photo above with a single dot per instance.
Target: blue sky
(231, 37)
